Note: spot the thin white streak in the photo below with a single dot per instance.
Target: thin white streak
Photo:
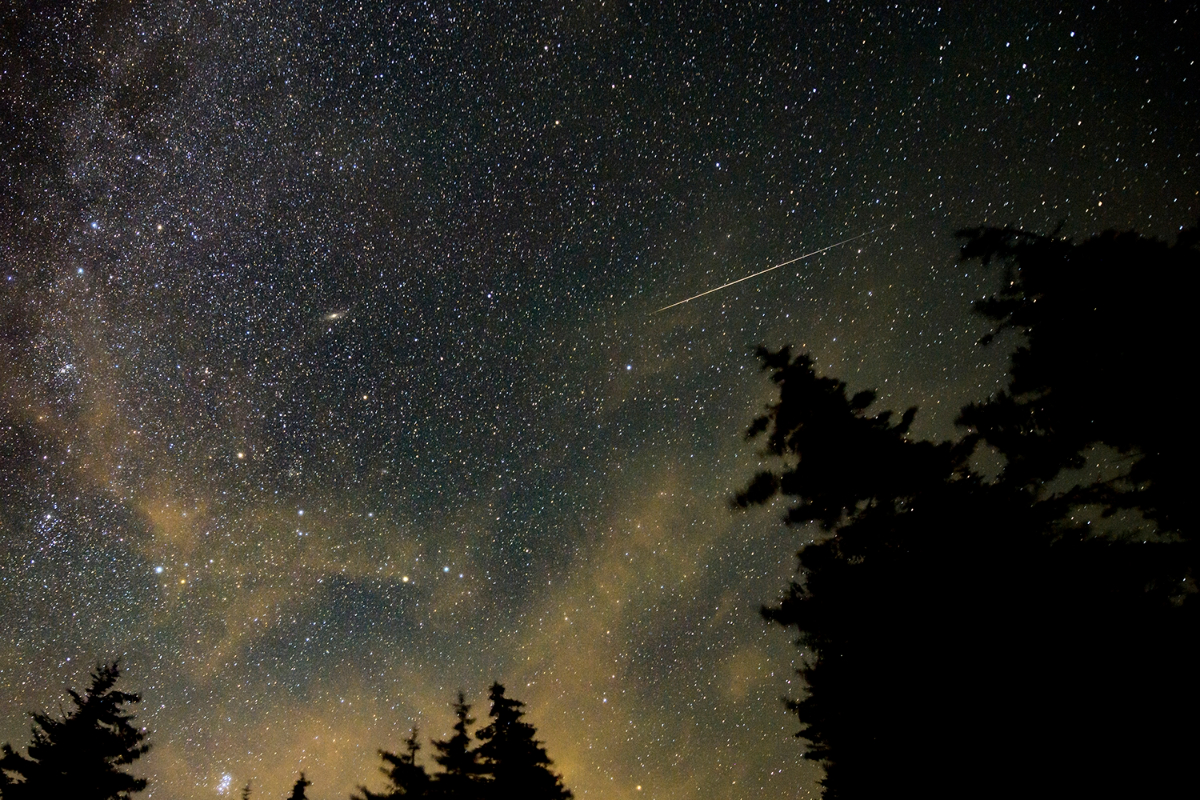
(768, 269)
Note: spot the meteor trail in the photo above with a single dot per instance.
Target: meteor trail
(768, 269)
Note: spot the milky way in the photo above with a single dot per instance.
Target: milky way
(330, 382)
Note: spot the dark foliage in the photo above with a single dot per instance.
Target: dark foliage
(82, 754)
(462, 771)
(406, 778)
(512, 755)
(963, 635)
(299, 788)
(509, 763)
(1108, 330)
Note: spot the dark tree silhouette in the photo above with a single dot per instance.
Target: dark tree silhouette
(509, 763)
(1104, 325)
(511, 753)
(84, 753)
(961, 634)
(299, 787)
(462, 772)
(246, 791)
(406, 778)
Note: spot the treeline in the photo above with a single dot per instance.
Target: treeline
(85, 753)
(508, 761)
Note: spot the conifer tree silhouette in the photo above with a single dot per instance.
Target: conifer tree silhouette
(509, 763)
(83, 754)
(1128, 296)
(461, 775)
(406, 778)
(946, 618)
(516, 760)
(299, 788)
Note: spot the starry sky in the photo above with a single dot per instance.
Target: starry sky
(330, 378)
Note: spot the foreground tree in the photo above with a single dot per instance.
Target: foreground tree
(83, 754)
(962, 633)
(299, 788)
(1104, 324)
(406, 778)
(461, 777)
(517, 762)
(509, 763)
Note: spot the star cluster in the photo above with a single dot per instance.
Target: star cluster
(330, 381)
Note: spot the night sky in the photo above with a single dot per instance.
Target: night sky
(330, 381)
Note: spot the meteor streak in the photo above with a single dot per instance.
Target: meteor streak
(768, 269)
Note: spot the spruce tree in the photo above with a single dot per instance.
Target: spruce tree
(406, 778)
(84, 754)
(461, 776)
(511, 753)
(298, 788)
